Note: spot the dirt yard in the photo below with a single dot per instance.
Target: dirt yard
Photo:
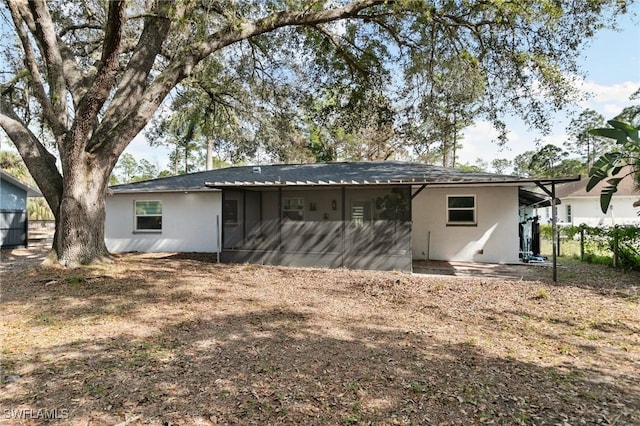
(180, 340)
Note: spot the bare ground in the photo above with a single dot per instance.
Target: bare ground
(177, 339)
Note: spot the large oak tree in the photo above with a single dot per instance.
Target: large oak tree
(83, 78)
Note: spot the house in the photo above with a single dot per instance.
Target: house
(577, 206)
(13, 210)
(364, 215)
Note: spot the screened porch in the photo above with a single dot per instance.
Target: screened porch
(364, 228)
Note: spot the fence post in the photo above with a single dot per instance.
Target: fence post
(26, 229)
(581, 244)
(615, 247)
(558, 243)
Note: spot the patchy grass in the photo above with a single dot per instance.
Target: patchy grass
(173, 339)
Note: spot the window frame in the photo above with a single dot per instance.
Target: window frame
(300, 209)
(137, 230)
(367, 213)
(473, 209)
(237, 211)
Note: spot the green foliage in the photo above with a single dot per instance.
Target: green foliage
(500, 165)
(583, 143)
(623, 162)
(320, 147)
(38, 209)
(128, 169)
(601, 244)
(627, 240)
(545, 161)
(548, 161)
(546, 231)
(208, 113)
(349, 123)
(13, 164)
(479, 166)
(598, 259)
(450, 96)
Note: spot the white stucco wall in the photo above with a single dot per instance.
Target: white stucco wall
(188, 223)
(494, 239)
(586, 210)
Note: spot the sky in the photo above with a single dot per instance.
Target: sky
(611, 63)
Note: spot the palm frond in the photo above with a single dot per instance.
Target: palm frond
(607, 193)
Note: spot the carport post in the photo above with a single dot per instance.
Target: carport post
(554, 231)
(554, 224)
(279, 224)
(343, 201)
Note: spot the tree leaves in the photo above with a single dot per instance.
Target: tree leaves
(613, 163)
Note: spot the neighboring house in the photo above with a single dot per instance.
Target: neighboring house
(13, 210)
(367, 215)
(577, 206)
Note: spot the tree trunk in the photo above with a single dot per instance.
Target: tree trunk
(176, 156)
(186, 158)
(79, 237)
(209, 153)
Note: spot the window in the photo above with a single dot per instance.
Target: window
(360, 213)
(230, 212)
(148, 216)
(461, 210)
(569, 216)
(293, 208)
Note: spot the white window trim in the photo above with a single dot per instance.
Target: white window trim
(136, 215)
(365, 219)
(474, 209)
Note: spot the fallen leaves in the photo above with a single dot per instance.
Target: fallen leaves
(163, 339)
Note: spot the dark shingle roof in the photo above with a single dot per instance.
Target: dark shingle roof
(31, 192)
(346, 173)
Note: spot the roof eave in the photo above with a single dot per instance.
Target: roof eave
(111, 191)
(31, 192)
(411, 182)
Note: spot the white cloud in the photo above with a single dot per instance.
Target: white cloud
(610, 99)
(618, 92)
(480, 141)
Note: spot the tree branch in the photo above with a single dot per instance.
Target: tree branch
(344, 53)
(72, 28)
(58, 127)
(127, 127)
(245, 30)
(46, 35)
(134, 79)
(77, 81)
(39, 161)
(95, 97)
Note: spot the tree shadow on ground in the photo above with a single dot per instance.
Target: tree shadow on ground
(21, 258)
(276, 366)
(195, 359)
